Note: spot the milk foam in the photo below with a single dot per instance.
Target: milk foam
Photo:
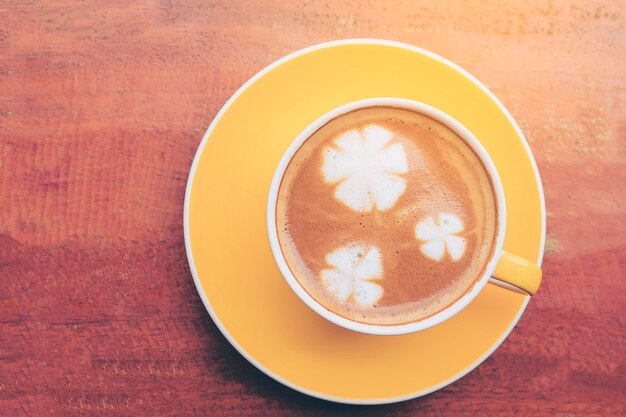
(440, 236)
(354, 266)
(366, 169)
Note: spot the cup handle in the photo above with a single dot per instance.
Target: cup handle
(519, 272)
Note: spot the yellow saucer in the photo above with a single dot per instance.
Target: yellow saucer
(229, 253)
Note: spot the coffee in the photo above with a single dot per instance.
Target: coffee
(385, 216)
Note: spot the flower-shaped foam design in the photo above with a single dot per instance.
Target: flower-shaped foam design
(354, 266)
(366, 167)
(440, 235)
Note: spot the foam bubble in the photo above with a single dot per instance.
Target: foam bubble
(385, 189)
(346, 257)
(354, 192)
(456, 246)
(375, 137)
(367, 293)
(392, 158)
(366, 168)
(434, 249)
(449, 223)
(370, 266)
(439, 236)
(355, 266)
(427, 229)
(351, 143)
(336, 283)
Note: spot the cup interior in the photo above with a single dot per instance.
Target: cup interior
(387, 329)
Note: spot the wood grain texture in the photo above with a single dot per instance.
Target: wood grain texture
(102, 106)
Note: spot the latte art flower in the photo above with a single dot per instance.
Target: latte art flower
(354, 266)
(440, 236)
(366, 168)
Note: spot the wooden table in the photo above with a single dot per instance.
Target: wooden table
(101, 110)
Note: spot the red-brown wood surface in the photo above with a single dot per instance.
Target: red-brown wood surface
(102, 106)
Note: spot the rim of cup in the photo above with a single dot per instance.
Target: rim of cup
(386, 329)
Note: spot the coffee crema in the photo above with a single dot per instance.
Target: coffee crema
(386, 216)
